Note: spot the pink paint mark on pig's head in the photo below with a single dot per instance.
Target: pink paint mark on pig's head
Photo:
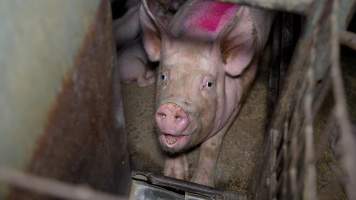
(210, 17)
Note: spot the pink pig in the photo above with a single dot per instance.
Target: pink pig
(133, 65)
(208, 58)
(132, 59)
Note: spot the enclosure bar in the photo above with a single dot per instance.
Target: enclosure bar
(348, 39)
(345, 12)
(287, 102)
(347, 141)
(285, 164)
(273, 179)
(288, 106)
(52, 187)
(309, 157)
(323, 91)
(297, 6)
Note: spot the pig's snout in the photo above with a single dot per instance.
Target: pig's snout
(171, 119)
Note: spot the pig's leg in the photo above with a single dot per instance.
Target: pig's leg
(147, 79)
(209, 154)
(176, 167)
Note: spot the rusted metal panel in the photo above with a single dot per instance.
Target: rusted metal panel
(61, 115)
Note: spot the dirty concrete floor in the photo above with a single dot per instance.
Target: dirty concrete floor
(240, 147)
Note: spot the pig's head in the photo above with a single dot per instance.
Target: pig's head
(194, 64)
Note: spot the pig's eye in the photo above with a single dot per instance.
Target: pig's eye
(163, 77)
(209, 84)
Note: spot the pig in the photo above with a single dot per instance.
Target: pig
(127, 27)
(208, 56)
(132, 59)
(133, 65)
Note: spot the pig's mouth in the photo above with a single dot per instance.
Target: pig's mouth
(173, 143)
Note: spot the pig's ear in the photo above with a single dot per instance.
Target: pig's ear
(152, 31)
(237, 43)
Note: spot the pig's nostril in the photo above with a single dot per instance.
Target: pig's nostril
(178, 118)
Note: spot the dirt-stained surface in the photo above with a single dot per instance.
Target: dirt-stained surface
(143, 147)
(240, 147)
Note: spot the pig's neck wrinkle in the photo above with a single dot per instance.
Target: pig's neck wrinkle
(212, 16)
(231, 101)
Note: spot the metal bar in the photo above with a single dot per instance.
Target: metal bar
(348, 39)
(347, 140)
(286, 160)
(344, 12)
(52, 187)
(309, 158)
(290, 104)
